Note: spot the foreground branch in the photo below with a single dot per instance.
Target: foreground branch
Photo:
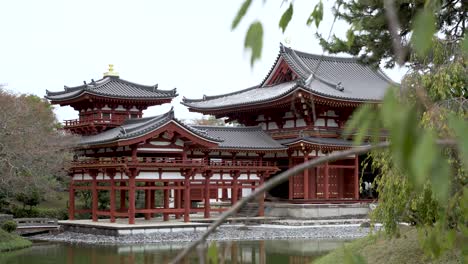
(273, 182)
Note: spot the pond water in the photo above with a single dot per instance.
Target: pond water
(270, 251)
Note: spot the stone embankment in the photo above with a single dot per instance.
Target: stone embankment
(224, 233)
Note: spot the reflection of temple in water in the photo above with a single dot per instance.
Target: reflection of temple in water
(234, 252)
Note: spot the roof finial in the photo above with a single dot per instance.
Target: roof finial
(111, 72)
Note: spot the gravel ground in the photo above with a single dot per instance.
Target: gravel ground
(224, 233)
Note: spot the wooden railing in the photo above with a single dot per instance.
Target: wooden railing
(170, 162)
(88, 121)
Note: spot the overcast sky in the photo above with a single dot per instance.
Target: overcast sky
(187, 44)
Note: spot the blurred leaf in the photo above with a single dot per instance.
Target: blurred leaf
(440, 179)
(316, 15)
(254, 41)
(423, 30)
(286, 18)
(241, 13)
(213, 253)
(460, 126)
(423, 158)
(359, 124)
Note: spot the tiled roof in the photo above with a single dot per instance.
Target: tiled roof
(242, 137)
(248, 96)
(133, 128)
(335, 77)
(112, 87)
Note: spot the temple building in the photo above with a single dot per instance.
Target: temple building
(296, 113)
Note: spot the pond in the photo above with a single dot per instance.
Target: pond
(234, 252)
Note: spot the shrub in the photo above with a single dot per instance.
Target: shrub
(58, 213)
(24, 213)
(9, 226)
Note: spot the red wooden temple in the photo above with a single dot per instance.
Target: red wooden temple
(295, 114)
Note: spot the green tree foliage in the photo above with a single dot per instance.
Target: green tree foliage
(33, 153)
(29, 198)
(370, 37)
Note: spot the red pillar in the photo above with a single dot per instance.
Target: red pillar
(166, 201)
(131, 196)
(71, 201)
(112, 198)
(147, 201)
(325, 181)
(207, 195)
(178, 199)
(356, 177)
(94, 198)
(152, 194)
(235, 188)
(261, 199)
(291, 179)
(306, 177)
(187, 199)
(123, 194)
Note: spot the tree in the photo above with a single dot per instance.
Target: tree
(33, 153)
(370, 36)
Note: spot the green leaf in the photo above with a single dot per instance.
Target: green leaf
(286, 17)
(213, 254)
(254, 41)
(423, 158)
(423, 30)
(241, 13)
(460, 127)
(440, 180)
(316, 15)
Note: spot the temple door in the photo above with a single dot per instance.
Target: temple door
(298, 183)
(320, 192)
(333, 183)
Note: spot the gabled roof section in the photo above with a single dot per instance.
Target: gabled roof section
(335, 78)
(335, 142)
(251, 138)
(112, 87)
(134, 128)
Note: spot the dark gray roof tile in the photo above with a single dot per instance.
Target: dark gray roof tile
(113, 87)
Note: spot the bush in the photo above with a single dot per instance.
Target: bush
(9, 226)
(58, 213)
(24, 213)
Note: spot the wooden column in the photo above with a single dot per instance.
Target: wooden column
(187, 199)
(111, 175)
(291, 179)
(123, 194)
(306, 176)
(356, 177)
(261, 198)
(235, 187)
(147, 201)
(94, 194)
(71, 201)
(178, 199)
(166, 201)
(152, 196)
(207, 175)
(325, 181)
(131, 196)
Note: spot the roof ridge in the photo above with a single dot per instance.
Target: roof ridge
(205, 97)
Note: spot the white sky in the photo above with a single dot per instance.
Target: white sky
(187, 44)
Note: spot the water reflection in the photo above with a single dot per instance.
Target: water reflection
(239, 252)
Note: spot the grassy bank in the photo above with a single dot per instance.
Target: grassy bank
(378, 249)
(11, 241)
